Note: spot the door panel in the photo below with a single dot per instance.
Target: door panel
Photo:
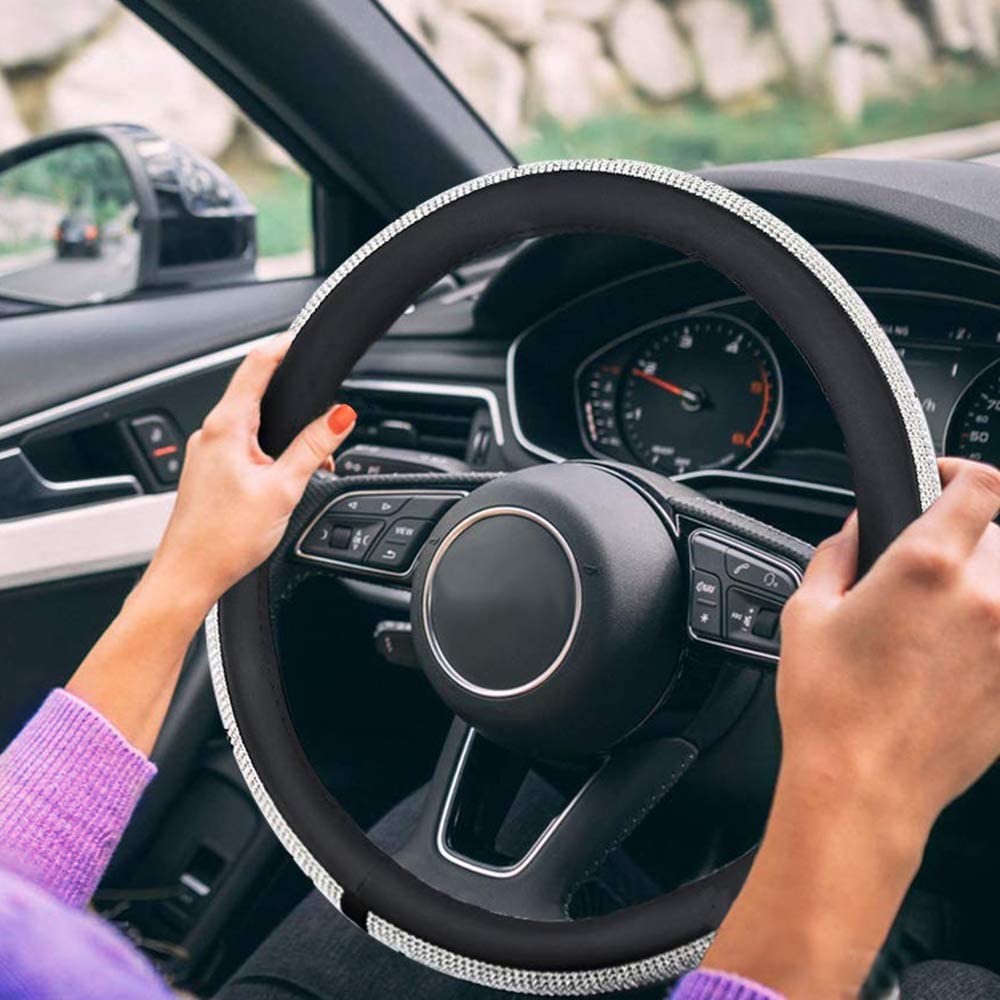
(48, 358)
(44, 633)
(71, 382)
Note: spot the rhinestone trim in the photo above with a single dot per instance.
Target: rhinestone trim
(613, 979)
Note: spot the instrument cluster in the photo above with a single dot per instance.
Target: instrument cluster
(706, 390)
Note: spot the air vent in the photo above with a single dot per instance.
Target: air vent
(443, 425)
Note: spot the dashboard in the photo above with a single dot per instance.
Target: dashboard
(672, 368)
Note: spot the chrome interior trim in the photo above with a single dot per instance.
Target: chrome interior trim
(361, 567)
(763, 479)
(446, 543)
(82, 541)
(204, 362)
(217, 359)
(461, 391)
(72, 485)
(494, 871)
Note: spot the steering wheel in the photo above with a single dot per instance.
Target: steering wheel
(554, 608)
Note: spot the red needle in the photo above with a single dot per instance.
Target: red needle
(664, 384)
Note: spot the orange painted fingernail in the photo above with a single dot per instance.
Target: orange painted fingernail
(340, 418)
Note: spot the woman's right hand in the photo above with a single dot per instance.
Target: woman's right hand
(889, 700)
(892, 684)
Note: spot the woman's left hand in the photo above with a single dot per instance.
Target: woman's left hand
(234, 501)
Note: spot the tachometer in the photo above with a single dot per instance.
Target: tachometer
(702, 392)
(974, 426)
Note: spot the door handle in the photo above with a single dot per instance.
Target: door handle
(25, 491)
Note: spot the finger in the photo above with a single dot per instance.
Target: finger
(315, 442)
(968, 503)
(834, 566)
(246, 388)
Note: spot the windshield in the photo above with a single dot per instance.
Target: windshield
(694, 82)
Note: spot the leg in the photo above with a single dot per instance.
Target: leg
(949, 981)
(317, 953)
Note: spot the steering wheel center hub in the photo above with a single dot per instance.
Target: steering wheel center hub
(502, 602)
(546, 612)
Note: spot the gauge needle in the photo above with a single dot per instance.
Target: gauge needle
(686, 394)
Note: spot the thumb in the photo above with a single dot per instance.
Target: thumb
(315, 442)
(834, 567)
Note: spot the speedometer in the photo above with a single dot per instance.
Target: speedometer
(702, 392)
(974, 427)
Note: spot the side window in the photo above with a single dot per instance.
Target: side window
(163, 182)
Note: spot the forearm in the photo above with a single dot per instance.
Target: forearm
(823, 892)
(130, 675)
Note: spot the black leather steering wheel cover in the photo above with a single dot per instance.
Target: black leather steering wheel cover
(344, 324)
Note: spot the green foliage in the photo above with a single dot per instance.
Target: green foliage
(89, 175)
(284, 211)
(699, 134)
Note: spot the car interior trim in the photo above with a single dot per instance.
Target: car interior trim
(763, 479)
(120, 390)
(232, 354)
(494, 871)
(81, 488)
(82, 541)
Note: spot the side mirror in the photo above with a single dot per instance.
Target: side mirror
(93, 214)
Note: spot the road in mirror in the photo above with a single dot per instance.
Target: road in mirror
(69, 227)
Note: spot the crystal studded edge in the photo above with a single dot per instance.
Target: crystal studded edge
(590, 982)
(677, 960)
(299, 852)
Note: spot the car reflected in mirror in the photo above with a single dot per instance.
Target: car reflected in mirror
(97, 213)
(68, 226)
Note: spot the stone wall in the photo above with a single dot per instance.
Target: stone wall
(74, 62)
(521, 60)
(65, 63)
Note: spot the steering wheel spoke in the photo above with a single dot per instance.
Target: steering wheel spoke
(479, 837)
(740, 572)
(372, 527)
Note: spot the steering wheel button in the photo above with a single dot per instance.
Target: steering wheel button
(706, 619)
(380, 505)
(742, 613)
(708, 554)
(390, 554)
(766, 625)
(742, 567)
(340, 537)
(706, 588)
(319, 538)
(749, 620)
(362, 537)
(430, 507)
(408, 530)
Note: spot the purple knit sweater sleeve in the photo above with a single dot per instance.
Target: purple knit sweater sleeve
(705, 984)
(68, 785)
